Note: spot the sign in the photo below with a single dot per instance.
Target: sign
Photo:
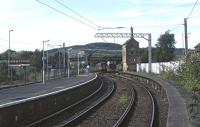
(20, 62)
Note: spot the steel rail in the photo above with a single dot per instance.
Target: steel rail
(44, 95)
(153, 107)
(62, 110)
(96, 104)
(128, 109)
(70, 120)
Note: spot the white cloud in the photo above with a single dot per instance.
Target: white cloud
(181, 1)
(32, 23)
(128, 13)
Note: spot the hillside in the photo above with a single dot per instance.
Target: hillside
(100, 49)
(98, 46)
(105, 46)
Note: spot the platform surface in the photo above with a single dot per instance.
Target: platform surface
(12, 95)
(177, 111)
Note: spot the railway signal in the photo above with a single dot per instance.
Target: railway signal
(146, 36)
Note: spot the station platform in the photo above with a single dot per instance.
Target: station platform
(177, 110)
(14, 95)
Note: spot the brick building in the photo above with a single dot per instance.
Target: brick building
(130, 54)
(197, 48)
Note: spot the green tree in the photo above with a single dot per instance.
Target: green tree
(3, 71)
(25, 55)
(36, 60)
(165, 47)
(144, 55)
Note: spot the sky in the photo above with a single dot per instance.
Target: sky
(33, 22)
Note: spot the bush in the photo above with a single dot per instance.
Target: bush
(168, 73)
(189, 72)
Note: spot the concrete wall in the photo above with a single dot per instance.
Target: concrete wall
(158, 67)
(25, 113)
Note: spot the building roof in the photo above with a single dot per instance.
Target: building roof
(198, 45)
(132, 40)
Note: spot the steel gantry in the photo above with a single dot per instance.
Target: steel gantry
(146, 36)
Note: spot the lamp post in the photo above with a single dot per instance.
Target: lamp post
(9, 54)
(78, 62)
(64, 67)
(59, 63)
(43, 62)
(48, 61)
(68, 61)
(58, 57)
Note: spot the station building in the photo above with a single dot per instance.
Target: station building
(197, 48)
(130, 54)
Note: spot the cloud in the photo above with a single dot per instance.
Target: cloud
(128, 13)
(181, 1)
(32, 22)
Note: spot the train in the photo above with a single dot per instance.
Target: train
(106, 67)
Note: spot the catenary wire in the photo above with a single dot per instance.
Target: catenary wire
(192, 9)
(71, 16)
(187, 17)
(66, 14)
(80, 16)
(76, 13)
(176, 27)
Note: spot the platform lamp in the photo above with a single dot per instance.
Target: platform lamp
(9, 54)
(43, 59)
(68, 61)
(79, 53)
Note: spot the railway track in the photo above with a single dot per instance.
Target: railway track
(143, 112)
(130, 104)
(138, 111)
(159, 96)
(71, 114)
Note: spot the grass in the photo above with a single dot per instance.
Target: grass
(123, 99)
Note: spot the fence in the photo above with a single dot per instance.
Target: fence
(158, 67)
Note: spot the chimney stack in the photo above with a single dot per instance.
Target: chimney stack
(131, 32)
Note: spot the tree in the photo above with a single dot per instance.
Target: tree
(165, 47)
(143, 55)
(3, 71)
(36, 60)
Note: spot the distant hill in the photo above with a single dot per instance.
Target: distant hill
(98, 46)
(105, 46)
(102, 50)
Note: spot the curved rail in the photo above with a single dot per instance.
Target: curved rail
(122, 118)
(62, 110)
(44, 95)
(128, 109)
(65, 123)
(100, 101)
(153, 107)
